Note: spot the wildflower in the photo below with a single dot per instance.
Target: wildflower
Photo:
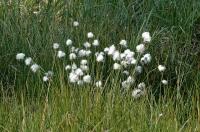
(69, 42)
(98, 84)
(137, 93)
(72, 56)
(55, 46)
(133, 61)
(90, 35)
(88, 52)
(111, 50)
(106, 50)
(125, 84)
(138, 69)
(67, 67)
(123, 43)
(84, 67)
(72, 49)
(49, 74)
(87, 45)
(100, 58)
(79, 72)
(165, 82)
(140, 48)
(146, 59)
(73, 78)
(141, 85)
(20, 56)
(45, 78)
(28, 61)
(146, 37)
(161, 114)
(82, 53)
(130, 80)
(84, 62)
(75, 23)
(74, 66)
(116, 55)
(35, 67)
(161, 68)
(116, 66)
(60, 54)
(95, 43)
(126, 73)
(87, 78)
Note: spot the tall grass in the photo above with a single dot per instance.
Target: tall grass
(28, 104)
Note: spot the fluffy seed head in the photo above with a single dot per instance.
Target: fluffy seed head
(161, 68)
(61, 54)
(117, 66)
(35, 67)
(87, 45)
(75, 23)
(72, 56)
(137, 93)
(90, 35)
(55, 46)
(87, 78)
(20, 56)
(123, 43)
(165, 82)
(67, 67)
(69, 42)
(140, 48)
(95, 43)
(146, 37)
(28, 61)
(98, 84)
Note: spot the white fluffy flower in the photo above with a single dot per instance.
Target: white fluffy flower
(133, 61)
(88, 52)
(49, 74)
(75, 23)
(61, 54)
(126, 73)
(98, 84)
(165, 82)
(106, 50)
(130, 80)
(45, 78)
(125, 84)
(111, 50)
(68, 67)
(117, 66)
(72, 56)
(73, 78)
(100, 58)
(79, 72)
(69, 42)
(123, 43)
(55, 46)
(137, 93)
(161, 68)
(28, 61)
(84, 62)
(138, 69)
(87, 78)
(116, 55)
(82, 53)
(95, 43)
(35, 67)
(90, 35)
(146, 59)
(74, 66)
(146, 37)
(141, 85)
(140, 48)
(20, 56)
(87, 45)
(84, 67)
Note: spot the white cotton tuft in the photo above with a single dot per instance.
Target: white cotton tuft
(28, 61)
(61, 54)
(87, 78)
(56, 46)
(90, 35)
(138, 69)
(69, 42)
(72, 56)
(95, 43)
(123, 43)
(98, 84)
(137, 93)
(117, 66)
(75, 23)
(67, 67)
(87, 45)
(35, 67)
(161, 68)
(20, 56)
(45, 78)
(140, 48)
(164, 82)
(146, 37)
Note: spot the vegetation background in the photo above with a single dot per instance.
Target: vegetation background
(31, 26)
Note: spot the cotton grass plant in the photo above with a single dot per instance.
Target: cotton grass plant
(124, 60)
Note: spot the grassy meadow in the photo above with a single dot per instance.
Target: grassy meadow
(32, 26)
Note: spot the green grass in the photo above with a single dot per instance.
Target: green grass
(28, 104)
